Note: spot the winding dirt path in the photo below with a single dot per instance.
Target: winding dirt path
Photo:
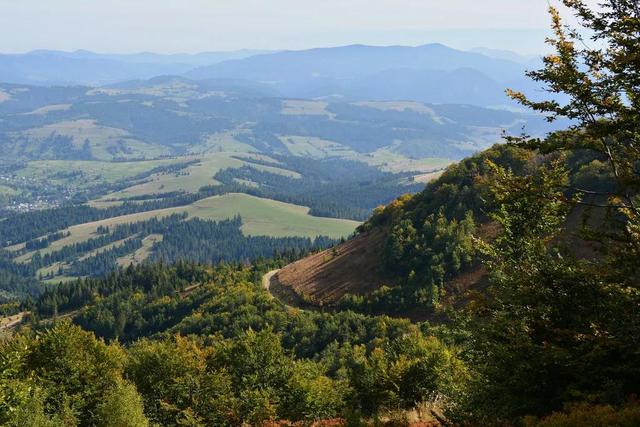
(10, 322)
(285, 296)
(266, 279)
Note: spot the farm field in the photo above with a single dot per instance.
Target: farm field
(223, 142)
(92, 170)
(193, 177)
(101, 141)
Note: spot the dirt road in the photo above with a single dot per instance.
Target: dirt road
(266, 279)
(11, 321)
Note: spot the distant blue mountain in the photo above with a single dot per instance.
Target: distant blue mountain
(46, 67)
(431, 73)
(509, 55)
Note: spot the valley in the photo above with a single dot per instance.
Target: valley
(356, 235)
(211, 150)
(214, 149)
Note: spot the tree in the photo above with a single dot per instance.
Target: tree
(556, 326)
(121, 407)
(596, 83)
(551, 329)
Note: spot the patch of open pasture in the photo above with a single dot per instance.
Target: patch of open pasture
(104, 204)
(266, 217)
(55, 280)
(390, 161)
(427, 177)
(141, 254)
(83, 232)
(104, 142)
(222, 142)
(310, 146)
(260, 217)
(299, 107)
(92, 171)
(189, 179)
(49, 109)
(192, 178)
(402, 106)
(105, 247)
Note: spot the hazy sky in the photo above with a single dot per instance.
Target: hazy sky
(209, 25)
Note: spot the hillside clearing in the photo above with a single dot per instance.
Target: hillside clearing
(260, 217)
(192, 178)
(139, 255)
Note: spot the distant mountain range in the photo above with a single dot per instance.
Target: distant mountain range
(175, 115)
(431, 73)
(48, 67)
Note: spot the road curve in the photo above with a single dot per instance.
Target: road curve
(266, 279)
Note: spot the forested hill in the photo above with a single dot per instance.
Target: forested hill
(415, 250)
(420, 251)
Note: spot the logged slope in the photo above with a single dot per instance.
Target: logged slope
(325, 277)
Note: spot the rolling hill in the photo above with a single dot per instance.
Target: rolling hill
(174, 115)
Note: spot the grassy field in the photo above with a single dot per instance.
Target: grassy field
(265, 217)
(298, 107)
(189, 179)
(193, 177)
(140, 254)
(103, 204)
(427, 177)
(416, 107)
(101, 138)
(260, 217)
(49, 108)
(385, 159)
(93, 171)
(310, 146)
(222, 142)
(390, 161)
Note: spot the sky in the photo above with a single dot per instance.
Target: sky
(172, 26)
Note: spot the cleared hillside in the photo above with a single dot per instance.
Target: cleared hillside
(351, 267)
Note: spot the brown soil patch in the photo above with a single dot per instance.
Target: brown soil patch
(323, 278)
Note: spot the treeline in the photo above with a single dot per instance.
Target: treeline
(212, 242)
(121, 231)
(430, 238)
(156, 280)
(15, 287)
(195, 240)
(203, 241)
(332, 188)
(30, 225)
(249, 358)
(32, 245)
(105, 261)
